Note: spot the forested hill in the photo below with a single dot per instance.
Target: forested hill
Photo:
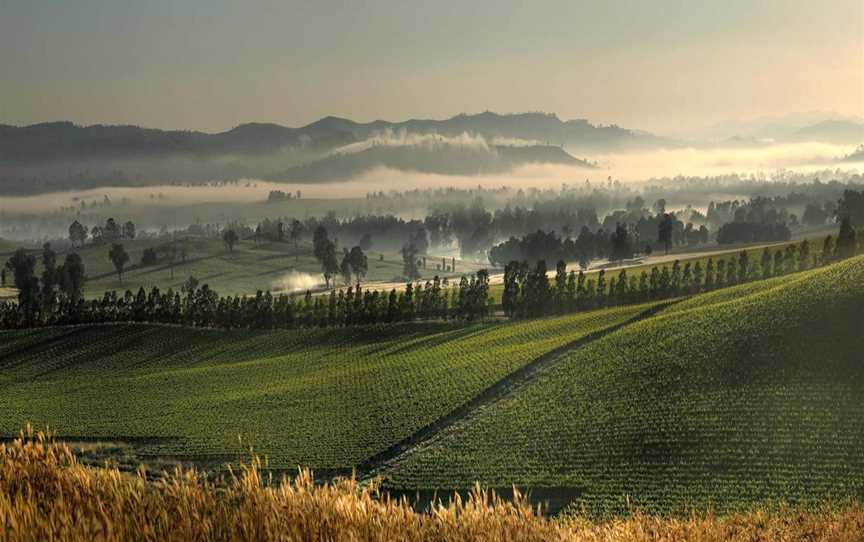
(67, 141)
(447, 160)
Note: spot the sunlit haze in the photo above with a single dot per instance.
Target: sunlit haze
(670, 67)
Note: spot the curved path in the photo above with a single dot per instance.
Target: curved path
(504, 387)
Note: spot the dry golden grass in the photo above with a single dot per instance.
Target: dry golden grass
(45, 494)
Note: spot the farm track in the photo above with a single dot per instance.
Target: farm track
(508, 385)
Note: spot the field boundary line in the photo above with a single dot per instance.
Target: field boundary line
(503, 387)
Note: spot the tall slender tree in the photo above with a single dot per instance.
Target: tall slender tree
(119, 258)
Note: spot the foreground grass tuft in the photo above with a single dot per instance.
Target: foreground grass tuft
(45, 494)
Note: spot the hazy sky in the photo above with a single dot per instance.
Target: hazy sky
(660, 65)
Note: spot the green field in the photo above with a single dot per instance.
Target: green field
(326, 399)
(740, 396)
(246, 269)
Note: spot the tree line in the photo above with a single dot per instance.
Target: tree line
(111, 232)
(56, 297)
(528, 292)
(57, 300)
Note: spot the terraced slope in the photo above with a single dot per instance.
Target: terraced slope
(327, 399)
(751, 394)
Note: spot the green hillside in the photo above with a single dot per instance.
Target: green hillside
(327, 399)
(748, 394)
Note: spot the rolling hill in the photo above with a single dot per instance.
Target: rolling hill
(326, 399)
(745, 395)
(445, 159)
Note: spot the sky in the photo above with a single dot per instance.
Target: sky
(666, 66)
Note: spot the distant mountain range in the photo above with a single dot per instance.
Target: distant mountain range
(67, 141)
(816, 126)
(832, 131)
(62, 155)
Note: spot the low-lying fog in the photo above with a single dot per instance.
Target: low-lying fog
(763, 161)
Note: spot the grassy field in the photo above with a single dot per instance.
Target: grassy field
(327, 399)
(246, 269)
(740, 396)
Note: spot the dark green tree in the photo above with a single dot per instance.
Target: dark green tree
(622, 247)
(698, 277)
(720, 278)
(665, 228)
(329, 263)
(601, 287)
(345, 267)
(119, 258)
(128, 230)
(790, 260)
(560, 295)
(827, 250)
(410, 269)
(847, 242)
(804, 255)
(359, 263)
(743, 266)
(295, 233)
(77, 234)
(675, 278)
(23, 267)
(229, 237)
(851, 206)
(72, 277)
(778, 263)
(111, 232)
(767, 261)
(709, 275)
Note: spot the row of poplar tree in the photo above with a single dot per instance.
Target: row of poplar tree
(529, 292)
(199, 305)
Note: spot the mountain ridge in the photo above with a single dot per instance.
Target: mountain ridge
(65, 140)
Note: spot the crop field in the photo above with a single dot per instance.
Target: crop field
(326, 399)
(747, 395)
